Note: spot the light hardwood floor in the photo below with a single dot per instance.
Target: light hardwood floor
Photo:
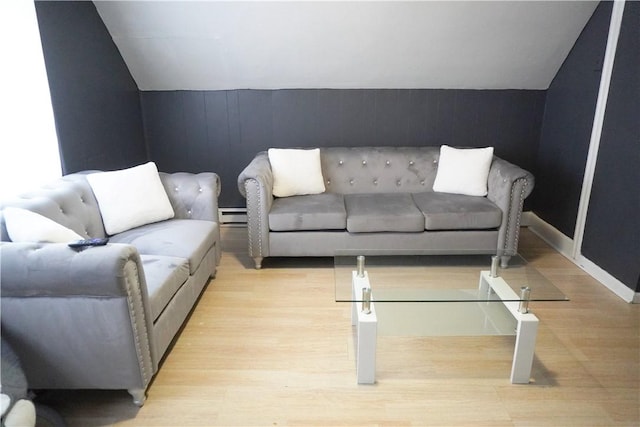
(270, 347)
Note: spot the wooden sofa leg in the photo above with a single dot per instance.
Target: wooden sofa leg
(258, 262)
(139, 396)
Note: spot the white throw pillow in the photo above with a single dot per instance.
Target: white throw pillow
(26, 226)
(296, 172)
(129, 198)
(463, 171)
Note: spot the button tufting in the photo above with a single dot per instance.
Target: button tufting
(375, 182)
(435, 161)
(328, 182)
(364, 163)
(351, 181)
(398, 183)
(175, 189)
(200, 190)
(388, 163)
(422, 182)
(189, 212)
(411, 163)
(340, 162)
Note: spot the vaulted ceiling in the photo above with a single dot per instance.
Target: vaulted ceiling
(212, 45)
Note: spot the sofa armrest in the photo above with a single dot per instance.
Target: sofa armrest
(86, 312)
(255, 183)
(56, 270)
(193, 196)
(259, 169)
(508, 187)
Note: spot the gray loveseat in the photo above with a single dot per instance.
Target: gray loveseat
(103, 317)
(382, 199)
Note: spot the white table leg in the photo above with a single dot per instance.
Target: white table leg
(524, 349)
(366, 333)
(527, 329)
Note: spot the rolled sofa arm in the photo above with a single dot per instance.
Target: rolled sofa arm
(255, 183)
(193, 196)
(78, 319)
(56, 270)
(509, 185)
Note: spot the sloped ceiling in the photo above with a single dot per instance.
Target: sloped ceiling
(211, 45)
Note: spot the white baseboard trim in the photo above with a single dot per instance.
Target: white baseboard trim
(554, 237)
(564, 245)
(525, 220)
(616, 286)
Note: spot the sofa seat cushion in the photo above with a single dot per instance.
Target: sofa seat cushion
(311, 212)
(443, 211)
(382, 212)
(164, 276)
(183, 238)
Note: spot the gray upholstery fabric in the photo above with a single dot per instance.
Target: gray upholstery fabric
(508, 186)
(388, 170)
(255, 182)
(165, 275)
(81, 342)
(193, 196)
(69, 201)
(190, 239)
(362, 170)
(326, 243)
(77, 336)
(90, 318)
(178, 308)
(444, 211)
(382, 212)
(54, 269)
(313, 212)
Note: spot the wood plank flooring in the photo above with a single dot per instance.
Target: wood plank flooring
(271, 347)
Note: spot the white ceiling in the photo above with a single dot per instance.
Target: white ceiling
(212, 45)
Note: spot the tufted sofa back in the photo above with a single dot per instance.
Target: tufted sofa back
(69, 201)
(379, 169)
(193, 196)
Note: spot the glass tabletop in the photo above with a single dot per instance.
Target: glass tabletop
(439, 278)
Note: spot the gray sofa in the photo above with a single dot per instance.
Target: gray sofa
(103, 317)
(382, 199)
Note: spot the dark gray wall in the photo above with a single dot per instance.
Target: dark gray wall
(566, 128)
(612, 232)
(612, 236)
(223, 130)
(95, 100)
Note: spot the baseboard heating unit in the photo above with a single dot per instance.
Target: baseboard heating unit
(233, 216)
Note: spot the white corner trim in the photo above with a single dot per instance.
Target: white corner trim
(564, 245)
(598, 120)
(613, 284)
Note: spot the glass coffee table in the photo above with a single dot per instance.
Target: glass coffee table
(429, 295)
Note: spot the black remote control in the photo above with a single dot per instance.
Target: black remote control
(89, 242)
